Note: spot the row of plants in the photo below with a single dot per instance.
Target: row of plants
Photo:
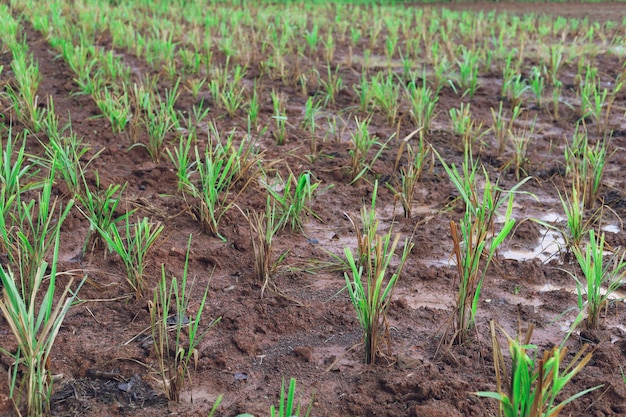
(212, 174)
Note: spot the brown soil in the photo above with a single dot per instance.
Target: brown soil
(308, 329)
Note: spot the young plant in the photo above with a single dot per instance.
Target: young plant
(474, 235)
(23, 96)
(556, 99)
(232, 98)
(99, 207)
(132, 245)
(534, 384)
(587, 162)
(115, 107)
(280, 117)
(263, 229)
(158, 122)
(34, 323)
(423, 102)
(15, 174)
(368, 283)
(332, 85)
(168, 313)
(31, 234)
(461, 120)
(312, 109)
(385, 91)
(515, 90)
(217, 177)
(65, 152)
(182, 160)
(574, 213)
(537, 85)
(195, 85)
(520, 139)
(254, 107)
(286, 409)
(501, 127)
(598, 275)
(468, 72)
(362, 143)
(410, 173)
(293, 204)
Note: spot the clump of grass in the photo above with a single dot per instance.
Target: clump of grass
(411, 172)
(367, 280)
(263, 229)
(534, 385)
(585, 162)
(292, 204)
(168, 314)
(602, 278)
(99, 207)
(35, 324)
(474, 236)
(132, 245)
(362, 143)
(287, 405)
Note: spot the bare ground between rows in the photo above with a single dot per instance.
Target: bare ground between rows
(309, 330)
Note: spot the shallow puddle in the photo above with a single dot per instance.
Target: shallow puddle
(548, 247)
(614, 296)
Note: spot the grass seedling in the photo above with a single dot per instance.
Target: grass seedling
(468, 72)
(534, 384)
(367, 280)
(293, 204)
(573, 207)
(312, 109)
(501, 127)
(263, 229)
(217, 176)
(158, 122)
(592, 294)
(115, 107)
(362, 143)
(280, 117)
(65, 152)
(254, 107)
(287, 406)
(31, 237)
(100, 207)
(232, 98)
(34, 323)
(587, 162)
(461, 120)
(15, 174)
(182, 160)
(474, 235)
(537, 85)
(385, 92)
(132, 245)
(23, 96)
(332, 85)
(364, 92)
(410, 173)
(515, 90)
(423, 102)
(195, 85)
(168, 314)
(520, 138)
(556, 99)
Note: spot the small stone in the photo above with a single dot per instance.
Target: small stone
(178, 253)
(303, 352)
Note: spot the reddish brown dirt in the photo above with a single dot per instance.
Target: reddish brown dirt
(311, 325)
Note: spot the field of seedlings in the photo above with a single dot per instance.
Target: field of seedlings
(239, 208)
